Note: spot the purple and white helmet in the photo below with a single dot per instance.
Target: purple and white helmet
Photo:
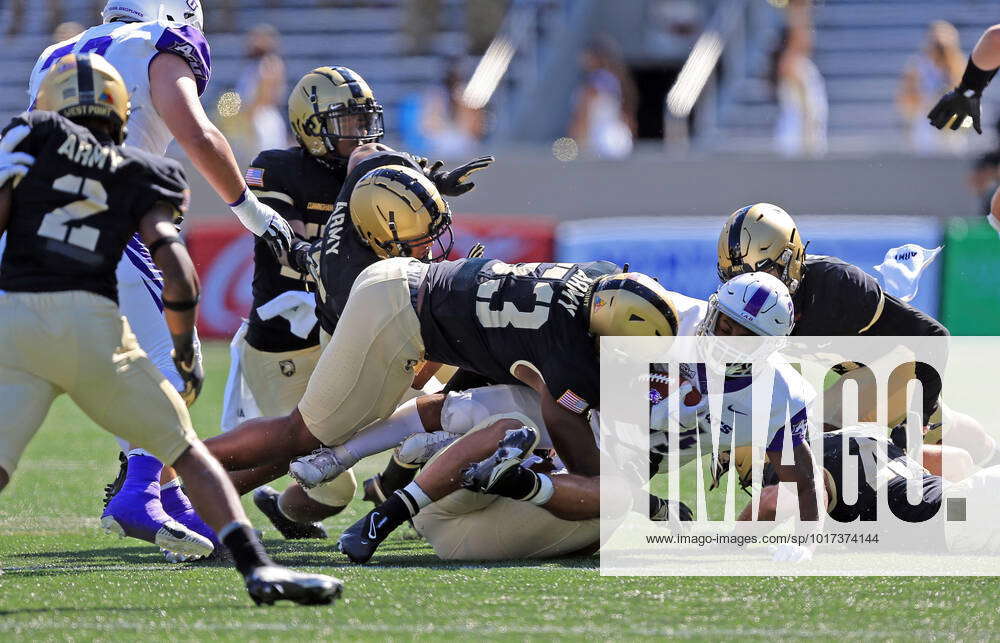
(186, 12)
(760, 303)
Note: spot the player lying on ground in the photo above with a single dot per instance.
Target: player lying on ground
(881, 467)
(160, 50)
(962, 102)
(69, 216)
(430, 422)
(834, 298)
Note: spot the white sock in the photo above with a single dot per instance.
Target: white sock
(545, 490)
(382, 435)
(414, 498)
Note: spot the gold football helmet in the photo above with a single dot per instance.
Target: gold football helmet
(86, 86)
(631, 304)
(761, 238)
(333, 104)
(742, 459)
(399, 213)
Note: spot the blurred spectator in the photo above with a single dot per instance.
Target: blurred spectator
(800, 129)
(67, 30)
(984, 179)
(261, 87)
(438, 123)
(604, 112)
(927, 75)
(423, 20)
(17, 7)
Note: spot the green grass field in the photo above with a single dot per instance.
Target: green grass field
(64, 579)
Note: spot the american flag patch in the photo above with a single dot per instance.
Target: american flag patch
(255, 177)
(573, 402)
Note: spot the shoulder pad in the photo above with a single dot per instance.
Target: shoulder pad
(188, 43)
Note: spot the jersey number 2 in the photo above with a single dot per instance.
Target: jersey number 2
(56, 224)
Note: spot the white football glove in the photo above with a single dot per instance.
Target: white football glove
(261, 219)
(687, 416)
(14, 165)
(790, 553)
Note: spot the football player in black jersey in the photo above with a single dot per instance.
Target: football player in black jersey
(68, 220)
(534, 324)
(337, 121)
(831, 297)
(357, 235)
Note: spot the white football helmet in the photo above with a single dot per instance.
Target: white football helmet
(186, 12)
(760, 303)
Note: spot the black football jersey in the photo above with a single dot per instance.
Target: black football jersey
(342, 252)
(871, 469)
(485, 316)
(299, 188)
(835, 298)
(78, 206)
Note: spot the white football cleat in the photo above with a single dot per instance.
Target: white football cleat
(421, 447)
(316, 468)
(171, 536)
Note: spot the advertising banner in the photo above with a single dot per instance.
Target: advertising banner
(223, 255)
(681, 251)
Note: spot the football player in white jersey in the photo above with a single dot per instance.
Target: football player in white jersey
(159, 49)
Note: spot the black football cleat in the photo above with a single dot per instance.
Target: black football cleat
(266, 499)
(274, 583)
(373, 490)
(112, 489)
(360, 540)
(487, 476)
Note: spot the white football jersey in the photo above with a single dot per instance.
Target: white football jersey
(130, 47)
(690, 312)
(791, 400)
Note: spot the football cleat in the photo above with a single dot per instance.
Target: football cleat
(266, 499)
(421, 447)
(373, 490)
(168, 534)
(274, 583)
(360, 540)
(488, 475)
(112, 489)
(316, 468)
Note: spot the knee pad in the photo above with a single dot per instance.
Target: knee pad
(464, 411)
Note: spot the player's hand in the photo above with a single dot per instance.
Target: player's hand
(187, 359)
(456, 182)
(790, 553)
(953, 108)
(476, 251)
(686, 416)
(14, 165)
(279, 237)
(303, 258)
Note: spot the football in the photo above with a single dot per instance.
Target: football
(659, 389)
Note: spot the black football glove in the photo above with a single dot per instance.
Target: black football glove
(278, 237)
(187, 359)
(476, 251)
(303, 258)
(456, 182)
(954, 107)
(963, 101)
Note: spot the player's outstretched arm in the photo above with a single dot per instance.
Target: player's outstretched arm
(180, 292)
(963, 101)
(174, 93)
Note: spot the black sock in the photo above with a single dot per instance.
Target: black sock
(519, 483)
(248, 552)
(396, 476)
(398, 507)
